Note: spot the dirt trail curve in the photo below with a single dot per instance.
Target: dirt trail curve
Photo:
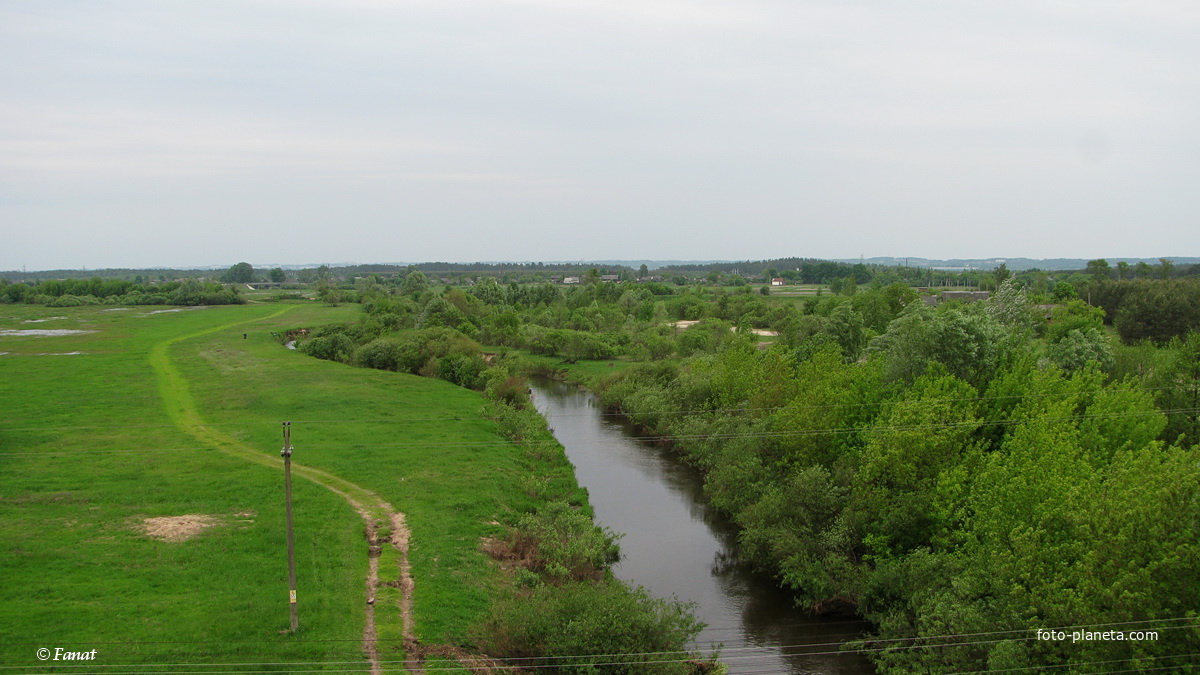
(375, 512)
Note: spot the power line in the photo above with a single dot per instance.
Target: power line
(1109, 624)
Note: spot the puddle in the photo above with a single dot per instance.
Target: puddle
(116, 309)
(49, 318)
(177, 309)
(40, 332)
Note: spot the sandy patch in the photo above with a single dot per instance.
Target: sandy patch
(42, 332)
(178, 528)
(757, 331)
(182, 528)
(60, 354)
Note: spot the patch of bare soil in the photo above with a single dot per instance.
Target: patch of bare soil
(478, 664)
(178, 528)
(399, 538)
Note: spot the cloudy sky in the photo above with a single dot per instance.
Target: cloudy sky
(168, 133)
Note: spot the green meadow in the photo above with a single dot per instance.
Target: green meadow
(174, 417)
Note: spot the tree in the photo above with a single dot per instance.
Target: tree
(1099, 269)
(1079, 347)
(643, 272)
(241, 273)
(1010, 306)
(1001, 274)
(278, 275)
(415, 282)
(1165, 267)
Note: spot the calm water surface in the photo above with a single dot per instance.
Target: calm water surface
(675, 544)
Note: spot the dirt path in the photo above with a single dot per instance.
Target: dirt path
(375, 512)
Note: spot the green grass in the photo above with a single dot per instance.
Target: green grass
(176, 413)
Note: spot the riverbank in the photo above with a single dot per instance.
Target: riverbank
(676, 544)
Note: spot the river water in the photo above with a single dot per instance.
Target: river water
(676, 544)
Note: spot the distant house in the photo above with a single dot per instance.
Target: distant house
(777, 281)
(570, 280)
(955, 296)
(965, 296)
(1047, 310)
(610, 277)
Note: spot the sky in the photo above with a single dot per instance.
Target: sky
(169, 133)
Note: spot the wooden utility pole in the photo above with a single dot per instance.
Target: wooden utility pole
(287, 482)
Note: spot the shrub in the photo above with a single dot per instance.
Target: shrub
(564, 543)
(581, 625)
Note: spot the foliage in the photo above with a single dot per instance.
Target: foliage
(1078, 348)
(241, 273)
(965, 477)
(581, 625)
(564, 544)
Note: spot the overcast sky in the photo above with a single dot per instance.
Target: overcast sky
(160, 133)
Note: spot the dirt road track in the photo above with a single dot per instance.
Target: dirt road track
(181, 408)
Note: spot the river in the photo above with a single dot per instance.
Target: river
(676, 544)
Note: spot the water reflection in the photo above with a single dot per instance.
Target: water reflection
(676, 544)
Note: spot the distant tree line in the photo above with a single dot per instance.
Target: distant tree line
(97, 291)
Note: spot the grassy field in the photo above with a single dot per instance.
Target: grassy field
(174, 414)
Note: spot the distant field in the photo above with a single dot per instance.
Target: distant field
(90, 460)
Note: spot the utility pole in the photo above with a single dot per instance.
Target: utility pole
(287, 482)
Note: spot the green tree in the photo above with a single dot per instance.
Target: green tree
(415, 283)
(1078, 348)
(1001, 274)
(1011, 307)
(241, 273)
(1165, 267)
(278, 275)
(1099, 269)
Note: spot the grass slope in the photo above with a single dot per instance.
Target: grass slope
(88, 450)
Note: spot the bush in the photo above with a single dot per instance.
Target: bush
(334, 347)
(465, 370)
(581, 625)
(563, 543)
(381, 354)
